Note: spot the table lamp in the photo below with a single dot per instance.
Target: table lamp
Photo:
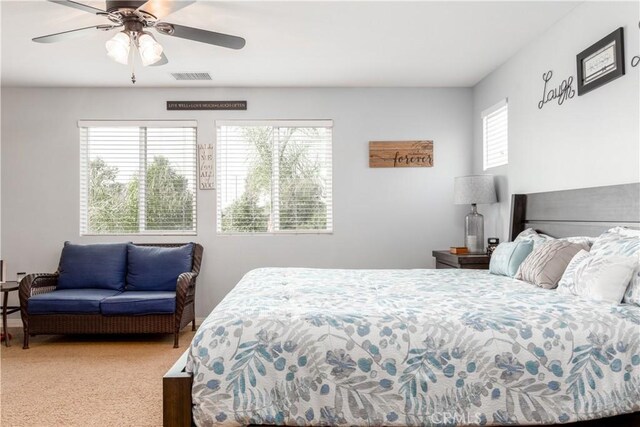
(473, 190)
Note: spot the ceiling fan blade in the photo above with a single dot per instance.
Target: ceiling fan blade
(162, 61)
(203, 36)
(162, 8)
(80, 6)
(56, 37)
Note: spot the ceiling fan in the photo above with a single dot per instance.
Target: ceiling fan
(135, 17)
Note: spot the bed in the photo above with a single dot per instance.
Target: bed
(417, 347)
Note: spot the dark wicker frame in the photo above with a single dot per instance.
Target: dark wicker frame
(38, 324)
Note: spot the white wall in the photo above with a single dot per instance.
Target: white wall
(590, 140)
(383, 218)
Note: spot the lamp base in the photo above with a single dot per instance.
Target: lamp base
(474, 231)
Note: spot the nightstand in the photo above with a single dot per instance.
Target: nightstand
(445, 259)
(5, 288)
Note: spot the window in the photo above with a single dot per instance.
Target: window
(137, 177)
(495, 135)
(274, 177)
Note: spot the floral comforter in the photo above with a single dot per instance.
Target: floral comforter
(410, 347)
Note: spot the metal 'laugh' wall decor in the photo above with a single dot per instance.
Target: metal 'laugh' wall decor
(562, 92)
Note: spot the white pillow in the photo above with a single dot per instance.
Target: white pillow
(540, 238)
(632, 296)
(602, 278)
(624, 231)
(620, 241)
(532, 235)
(585, 241)
(567, 284)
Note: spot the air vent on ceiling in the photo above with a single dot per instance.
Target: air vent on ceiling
(191, 76)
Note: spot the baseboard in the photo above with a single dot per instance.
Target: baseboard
(14, 323)
(17, 323)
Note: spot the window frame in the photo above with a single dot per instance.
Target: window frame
(142, 124)
(274, 123)
(485, 115)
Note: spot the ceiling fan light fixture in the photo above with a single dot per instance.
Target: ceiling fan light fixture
(118, 47)
(150, 50)
(132, 18)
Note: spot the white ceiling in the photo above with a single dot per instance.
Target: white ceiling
(288, 43)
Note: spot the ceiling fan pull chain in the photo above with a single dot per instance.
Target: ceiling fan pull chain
(132, 61)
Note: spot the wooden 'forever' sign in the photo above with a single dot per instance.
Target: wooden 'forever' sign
(400, 154)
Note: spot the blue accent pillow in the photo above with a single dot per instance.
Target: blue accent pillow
(508, 256)
(101, 266)
(153, 268)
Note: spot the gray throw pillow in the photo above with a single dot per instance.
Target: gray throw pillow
(546, 264)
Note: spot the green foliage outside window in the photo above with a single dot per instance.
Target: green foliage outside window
(300, 187)
(113, 206)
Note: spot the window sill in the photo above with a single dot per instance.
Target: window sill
(173, 233)
(274, 233)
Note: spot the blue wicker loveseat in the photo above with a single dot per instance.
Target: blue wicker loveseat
(113, 288)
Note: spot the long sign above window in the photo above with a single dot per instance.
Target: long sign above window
(206, 105)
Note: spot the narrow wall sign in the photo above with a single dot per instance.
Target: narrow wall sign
(206, 174)
(400, 154)
(206, 105)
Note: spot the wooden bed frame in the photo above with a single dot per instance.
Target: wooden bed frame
(176, 395)
(582, 212)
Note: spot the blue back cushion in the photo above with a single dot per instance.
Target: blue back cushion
(101, 266)
(508, 256)
(153, 268)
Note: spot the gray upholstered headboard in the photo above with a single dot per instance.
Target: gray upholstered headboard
(581, 212)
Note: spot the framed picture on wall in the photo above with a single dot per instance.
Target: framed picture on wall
(601, 62)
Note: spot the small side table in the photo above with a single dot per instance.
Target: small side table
(445, 259)
(5, 288)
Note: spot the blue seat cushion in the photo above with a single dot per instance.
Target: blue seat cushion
(70, 301)
(101, 266)
(139, 302)
(153, 268)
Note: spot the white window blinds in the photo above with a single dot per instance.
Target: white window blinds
(274, 177)
(137, 177)
(495, 135)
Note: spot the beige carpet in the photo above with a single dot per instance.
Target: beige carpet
(86, 380)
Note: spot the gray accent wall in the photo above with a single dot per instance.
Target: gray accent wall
(383, 218)
(588, 141)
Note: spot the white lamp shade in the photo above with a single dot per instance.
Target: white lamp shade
(118, 47)
(150, 49)
(474, 189)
